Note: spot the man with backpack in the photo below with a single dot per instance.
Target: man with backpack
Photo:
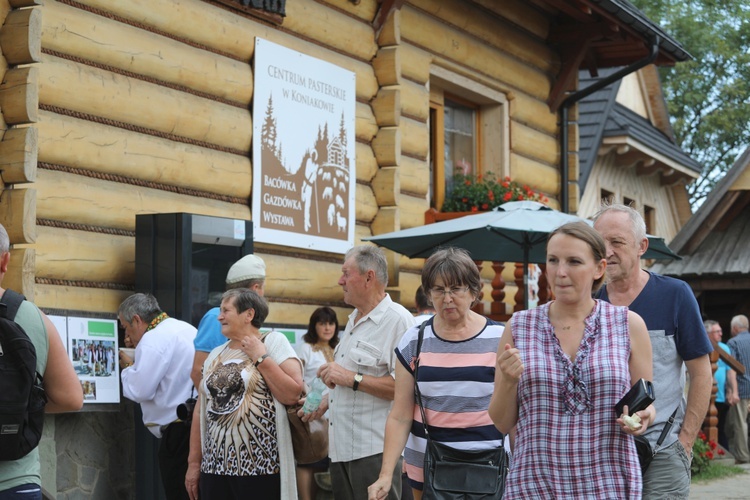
(53, 381)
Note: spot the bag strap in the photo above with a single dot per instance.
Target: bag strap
(665, 430)
(10, 303)
(417, 392)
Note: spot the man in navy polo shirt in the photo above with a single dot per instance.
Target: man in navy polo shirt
(678, 340)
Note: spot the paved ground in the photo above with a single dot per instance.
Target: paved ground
(732, 488)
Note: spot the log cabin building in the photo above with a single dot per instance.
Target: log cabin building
(111, 109)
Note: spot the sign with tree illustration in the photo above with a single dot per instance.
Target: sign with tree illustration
(303, 151)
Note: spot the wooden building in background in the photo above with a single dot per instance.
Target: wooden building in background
(111, 109)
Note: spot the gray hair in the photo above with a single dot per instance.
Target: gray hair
(740, 321)
(455, 267)
(370, 257)
(143, 305)
(637, 223)
(4, 240)
(709, 323)
(245, 299)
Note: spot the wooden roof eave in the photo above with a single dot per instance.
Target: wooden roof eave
(591, 38)
(647, 160)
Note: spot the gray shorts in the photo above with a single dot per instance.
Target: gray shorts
(668, 476)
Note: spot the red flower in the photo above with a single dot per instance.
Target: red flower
(508, 196)
(491, 195)
(468, 183)
(712, 444)
(485, 206)
(474, 209)
(506, 183)
(720, 452)
(465, 200)
(710, 454)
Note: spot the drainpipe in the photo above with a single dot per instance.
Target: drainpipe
(577, 96)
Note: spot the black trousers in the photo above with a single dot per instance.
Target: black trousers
(174, 447)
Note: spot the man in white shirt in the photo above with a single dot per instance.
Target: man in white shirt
(159, 379)
(362, 375)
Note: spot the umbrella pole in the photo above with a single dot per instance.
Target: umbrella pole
(526, 275)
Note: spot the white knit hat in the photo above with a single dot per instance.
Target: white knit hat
(249, 267)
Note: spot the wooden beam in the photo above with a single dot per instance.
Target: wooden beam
(20, 275)
(733, 362)
(575, 10)
(415, 138)
(387, 107)
(18, 214)
(18, 155)
(136, 102)
(20, 36)
(73, 142)
(77, 298)
(568, 33)
(74, 31)
(387, 146)
(572, 56)
(386, 186)
(19, 95)
(17, 4)
(390, 33)
(387, 220)
(77, 255)
(85, 200)
(387, 66)
(387, 7)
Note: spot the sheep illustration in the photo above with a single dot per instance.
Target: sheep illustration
(341, 222)
(328, 193)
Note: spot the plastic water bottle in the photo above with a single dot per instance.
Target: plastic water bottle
(314, 397)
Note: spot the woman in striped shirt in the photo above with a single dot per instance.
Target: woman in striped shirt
(456, 373)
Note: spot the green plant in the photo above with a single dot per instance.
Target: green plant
(703, 452)
(716, 470)
(477, 193)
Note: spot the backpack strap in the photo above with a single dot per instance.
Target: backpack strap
(10, 303)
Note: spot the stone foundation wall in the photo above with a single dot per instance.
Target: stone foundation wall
(89, 455)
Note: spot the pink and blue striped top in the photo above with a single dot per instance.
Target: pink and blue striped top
(456, 380)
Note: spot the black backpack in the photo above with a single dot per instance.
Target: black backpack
(22, 396)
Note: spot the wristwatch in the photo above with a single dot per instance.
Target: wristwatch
(357, 379)
(260, 360)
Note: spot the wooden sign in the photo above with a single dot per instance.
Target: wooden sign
(303, 151)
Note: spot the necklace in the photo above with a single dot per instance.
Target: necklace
(325, 348)
(155, 322)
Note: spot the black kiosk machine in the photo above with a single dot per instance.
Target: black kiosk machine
(182, 259)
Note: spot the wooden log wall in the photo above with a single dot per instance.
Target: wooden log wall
(134, 106)
(142, 107)
(499, 45)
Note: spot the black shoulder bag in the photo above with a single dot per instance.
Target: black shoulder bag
(451, 474)
(643, 447)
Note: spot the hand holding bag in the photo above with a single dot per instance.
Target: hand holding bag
(451, 474)
(309, 439)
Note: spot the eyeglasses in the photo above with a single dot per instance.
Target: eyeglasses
(454, 291)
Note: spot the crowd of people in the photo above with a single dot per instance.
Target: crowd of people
(543, 386)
